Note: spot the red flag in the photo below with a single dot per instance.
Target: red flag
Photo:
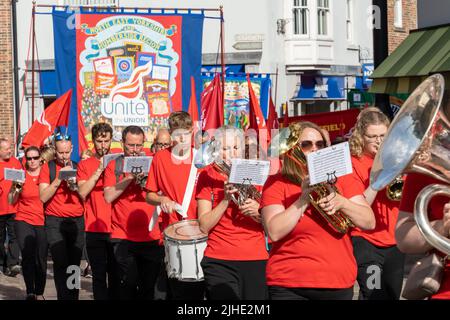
(82, 142)
(212, 105)
(57, 114)
(286, 115)
(256, 118)
(193, 108)
(272, 119)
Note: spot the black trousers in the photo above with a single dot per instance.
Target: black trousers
(138, 265)
(65, 237)
(34, 248)
(185, 290)
(234, 280)
(380, 270)
(9, 256)
(283, 293)
(100, 253)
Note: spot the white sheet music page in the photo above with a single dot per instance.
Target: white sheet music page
(245, 171)
(329, 163)
(14, 175)
(137, 165)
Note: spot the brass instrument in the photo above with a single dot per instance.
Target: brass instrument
(395, 188)
(286, 144)
(17, 186)
(208, 155)
(418, 140)
(71, 182)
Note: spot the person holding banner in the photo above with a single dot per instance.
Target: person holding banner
(29, 225)
(98, 215)
(235, 258)
(309, 260)
(64, 221)
(375, 248)
(136, 249)
(9, 254)
(170, 165)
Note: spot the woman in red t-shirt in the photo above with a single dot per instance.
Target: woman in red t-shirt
(29, 226)
(376, 250)
(235, 258)
(309, 260)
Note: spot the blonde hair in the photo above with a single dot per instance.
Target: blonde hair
(47, 154)
(291, 169)
(368, 116)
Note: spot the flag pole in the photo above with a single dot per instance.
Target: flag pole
(33, 42)
(222, 55)
(276, 87)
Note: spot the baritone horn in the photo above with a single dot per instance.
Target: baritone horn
(286, 144)
(418, 140)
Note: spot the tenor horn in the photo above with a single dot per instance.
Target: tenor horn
(286, 144)
(418, 140)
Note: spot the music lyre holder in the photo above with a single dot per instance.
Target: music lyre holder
(331, 178)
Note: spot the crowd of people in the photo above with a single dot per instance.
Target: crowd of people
(275, 246)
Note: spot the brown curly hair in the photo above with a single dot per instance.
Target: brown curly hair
(368, 116)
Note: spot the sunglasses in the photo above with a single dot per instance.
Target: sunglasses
(32, 158)
(62, 137)
(308, 144)
(159, 144)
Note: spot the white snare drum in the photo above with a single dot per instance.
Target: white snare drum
(184, 245)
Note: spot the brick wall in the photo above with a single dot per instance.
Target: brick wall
(396, 35)
(6, 71)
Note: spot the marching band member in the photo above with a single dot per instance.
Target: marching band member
(409, 239)
(98, 215)
(136, 249)
(375, 247)
(29, 225)
(309, 259)
(9, 254)
(64, 221)
(235, 258)
(175, 198)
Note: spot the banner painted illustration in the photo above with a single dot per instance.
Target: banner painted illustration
(126, 69)
(236, 108)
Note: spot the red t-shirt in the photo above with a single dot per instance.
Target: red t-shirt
(97, 215)
(64, 203)
(414, 183)
(235, 236)
(29, 206)
(5, 186)
(130, 214)
(385, 210)
(312, 255)
(171, 179)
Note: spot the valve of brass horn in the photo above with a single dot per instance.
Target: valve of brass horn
(394, 189)
(286, 144)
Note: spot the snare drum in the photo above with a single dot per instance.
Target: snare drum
(184, 245)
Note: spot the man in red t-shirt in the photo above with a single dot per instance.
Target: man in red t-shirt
(136, 249)
(168, 180)
(64, 221)
(97, 215)
(9, 257)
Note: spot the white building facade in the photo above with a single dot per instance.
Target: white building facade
(317, 46)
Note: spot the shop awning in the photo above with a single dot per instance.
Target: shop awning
(423, 52)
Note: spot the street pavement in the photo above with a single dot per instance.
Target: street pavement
(13, 288)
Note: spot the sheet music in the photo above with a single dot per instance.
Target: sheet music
(14, 174)
(137, 165)
(67, 174)
(245, 171)
(329, 163)
(107, 158)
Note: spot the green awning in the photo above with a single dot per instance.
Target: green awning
(422, 53)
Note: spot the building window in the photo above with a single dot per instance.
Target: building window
(323, 9)
(398, 14)
(300, 13)
(349, 18)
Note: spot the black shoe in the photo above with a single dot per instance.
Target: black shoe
(12, 271)
(30, 296)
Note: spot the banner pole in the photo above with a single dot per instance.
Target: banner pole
(127, 8)
(33, 42)
(276, 87)
(222, 55)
